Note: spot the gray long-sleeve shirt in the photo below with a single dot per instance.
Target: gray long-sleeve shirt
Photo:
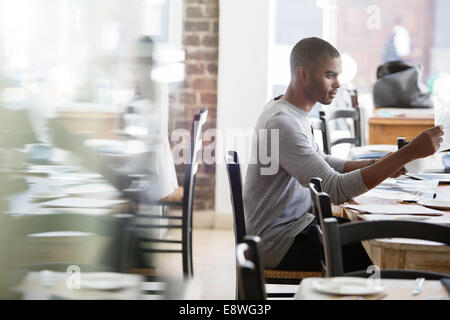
(276, 195)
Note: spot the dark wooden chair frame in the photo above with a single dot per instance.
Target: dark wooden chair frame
(248, 267)
(353, 113)
(235, 180)
(336, 235)
(321, 209)
(187, 203)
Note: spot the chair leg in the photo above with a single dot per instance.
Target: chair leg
(188, 269)
(236, 295)
(190, 258)
(191, 267)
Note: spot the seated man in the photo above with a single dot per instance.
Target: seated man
(277, 203)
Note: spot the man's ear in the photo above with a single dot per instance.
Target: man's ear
(303, 74)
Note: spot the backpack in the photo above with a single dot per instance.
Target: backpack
(399, 85)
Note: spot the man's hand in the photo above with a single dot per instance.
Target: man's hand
(426, 143)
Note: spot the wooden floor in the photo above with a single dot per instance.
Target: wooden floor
(214, 264)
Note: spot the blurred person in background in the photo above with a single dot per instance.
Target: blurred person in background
(398, 46)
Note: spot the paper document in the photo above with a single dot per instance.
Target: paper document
(404, 217)
(404, 189)
(396, 209)
(441, 177)
(442, 117)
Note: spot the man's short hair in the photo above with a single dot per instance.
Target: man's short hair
(309, 52)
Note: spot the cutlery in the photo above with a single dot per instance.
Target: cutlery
(418, 289)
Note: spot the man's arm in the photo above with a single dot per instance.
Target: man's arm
(359, 164)
(352, 165)
(424, 145)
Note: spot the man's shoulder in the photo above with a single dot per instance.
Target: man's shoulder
(276, 113)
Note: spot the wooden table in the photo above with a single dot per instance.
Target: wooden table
(101, 125)
(387, 130)
(395, 290)
(405, 253)
(21, 203)
(82, 247)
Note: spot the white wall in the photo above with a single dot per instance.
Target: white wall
(243, 87)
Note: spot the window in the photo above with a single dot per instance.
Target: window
(81, 55)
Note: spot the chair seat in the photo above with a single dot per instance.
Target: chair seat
(175, 197)
(149, 271)
(286, 274)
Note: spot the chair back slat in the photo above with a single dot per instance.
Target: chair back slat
(319, 204)
(189, 186)
(332, 247)
(337, 235)
(353, 113)
(235, 181)
(320, 201)
(367, 230)
(250, 275)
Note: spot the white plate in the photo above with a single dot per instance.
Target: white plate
(47, 195)
(107, 281)
(435, 204)
(51, 169)
(347, 286)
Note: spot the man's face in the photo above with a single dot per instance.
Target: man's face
(324, 81)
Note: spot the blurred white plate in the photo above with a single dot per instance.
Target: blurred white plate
(47, 195)
(435, 204)
(107, 281)
(90, 188)
(347, 286)
(74, 202)
(89, 211)
(51, 169)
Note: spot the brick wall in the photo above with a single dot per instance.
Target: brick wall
(199, 90)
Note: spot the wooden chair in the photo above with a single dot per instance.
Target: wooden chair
(321, 210)
(234, 178)
(353, 113)
(184, 197)
(251, 282)
(337, 235)
(320, 124)
(332, 247)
